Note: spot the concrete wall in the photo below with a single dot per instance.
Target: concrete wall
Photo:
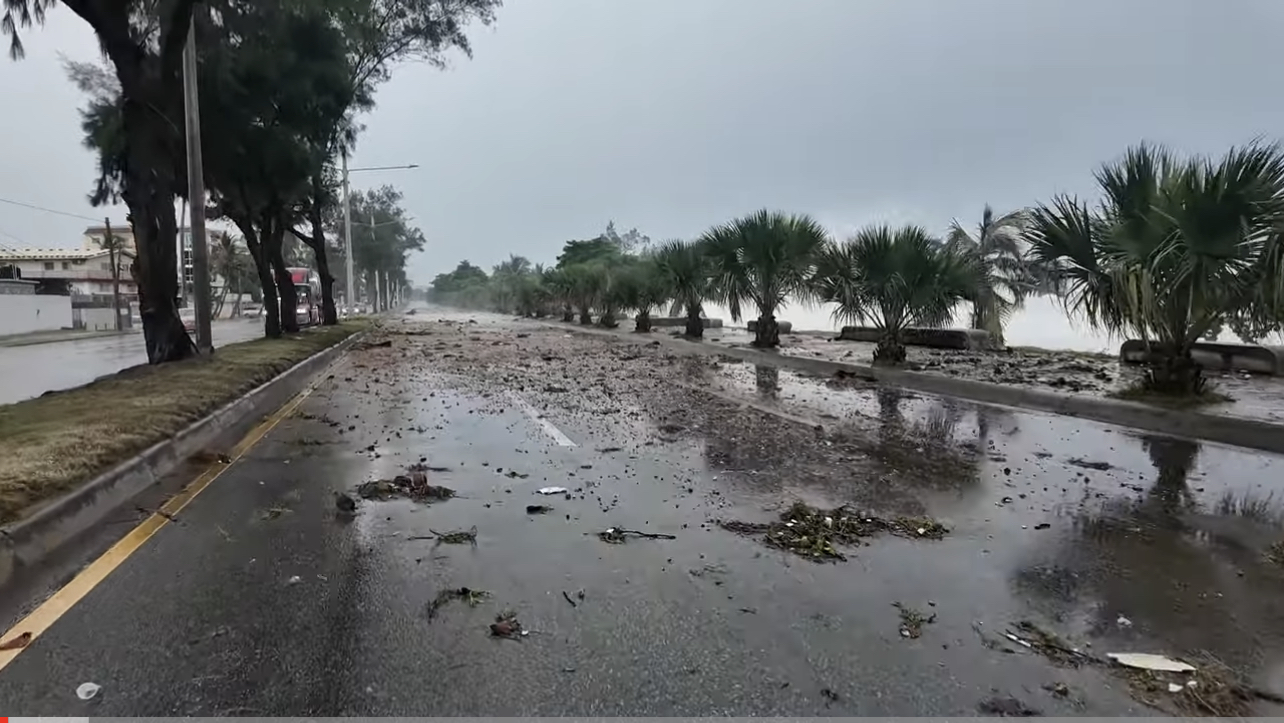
(915, 336)
(1255, 358)
(98, 319)
(25, 313)
(658, 321)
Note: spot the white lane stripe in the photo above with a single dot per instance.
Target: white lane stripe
(549, 429)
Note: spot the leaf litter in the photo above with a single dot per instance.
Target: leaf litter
(912, 621)
(1168, 684)
(413, 486)
(468, 595)
(457, 537)
(813, 533)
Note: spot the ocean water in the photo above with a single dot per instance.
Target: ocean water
(1041, 323)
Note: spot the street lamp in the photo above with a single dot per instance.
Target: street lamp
(347, 216)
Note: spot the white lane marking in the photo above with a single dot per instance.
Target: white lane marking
(538, 416)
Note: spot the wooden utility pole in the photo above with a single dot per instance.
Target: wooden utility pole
(113, 257)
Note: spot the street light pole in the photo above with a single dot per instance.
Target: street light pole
(351, 289)
(347, 218)
(196, 194)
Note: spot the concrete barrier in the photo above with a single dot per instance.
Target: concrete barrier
(661, 321)
(1255, 358)
(918, 336)
(26, 542)
(785, 326)
(1234, 431)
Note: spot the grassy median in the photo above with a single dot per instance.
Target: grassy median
(50, 444)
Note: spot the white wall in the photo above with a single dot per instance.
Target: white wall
(25, 313)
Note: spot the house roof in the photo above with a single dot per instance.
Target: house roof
(54, 254)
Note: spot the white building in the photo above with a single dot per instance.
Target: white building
(76, 272)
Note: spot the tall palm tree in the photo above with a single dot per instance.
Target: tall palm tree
(1176, 247)
(688, 278)
(893, 279)
(1003, 279)
(767, 258)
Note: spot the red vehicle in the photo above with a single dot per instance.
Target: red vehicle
(307, 296)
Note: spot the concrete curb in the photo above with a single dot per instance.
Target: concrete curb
(26, 542)
(1234, 431)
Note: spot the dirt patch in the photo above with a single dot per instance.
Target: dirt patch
(813, 533)
(57, 441)
(472, 597)
(413, 486)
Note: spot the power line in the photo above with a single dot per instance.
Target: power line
(48, 210)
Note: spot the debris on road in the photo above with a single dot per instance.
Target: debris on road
(567, 595)
(829, 695)
(274, 512)
(812, 532)
(294, 580)
(912, 621)
(372, 345)
(457, 537)
(1089, 464)
(538, 509)
(85, 691)
(507, 626)
(468, 595)
(414, 486)
(17, 643)
(1150, 661)
(344, 503)
(552, 490)
(513, 474)
(617, 536)
(1048, 644)
(1006, 707)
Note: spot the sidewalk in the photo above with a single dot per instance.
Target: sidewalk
(50, 337)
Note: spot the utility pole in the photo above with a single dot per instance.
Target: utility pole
(113, 258)
(350, 290)
(196, 194)
(374, 243)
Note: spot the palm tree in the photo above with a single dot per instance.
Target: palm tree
(641, 287)
(687, 277)
(558, 282)
(893, 279)
(767, 258)
(1177, 246)
(1003, 278)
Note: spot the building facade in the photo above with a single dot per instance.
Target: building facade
(72, 272)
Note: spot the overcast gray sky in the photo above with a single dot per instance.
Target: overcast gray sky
(672, 115)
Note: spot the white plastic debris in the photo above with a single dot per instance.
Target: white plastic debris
(1124, 622)
(922, 530)
(552, 490)
(829, 522)
(85, 691)
(1150, 661)
(1015, 639)
(1174, 688)
(294, 580)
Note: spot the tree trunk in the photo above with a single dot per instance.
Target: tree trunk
(695, 325)
(643, 323)
(1173, 371)
(568, 314)
(890, 350)
(607, 319)
(271, 309)
(329, 315)
(767, 334)
(586, 318)
(149, 193)
(284, 283)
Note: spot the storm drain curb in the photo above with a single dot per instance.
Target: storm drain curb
(24, 543)
(1234, 431)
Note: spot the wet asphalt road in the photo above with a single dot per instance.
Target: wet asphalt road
(29, 371)
(204, 620)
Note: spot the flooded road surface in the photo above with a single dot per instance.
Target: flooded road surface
(1252, 396)
(29, 371)
(263, 600)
